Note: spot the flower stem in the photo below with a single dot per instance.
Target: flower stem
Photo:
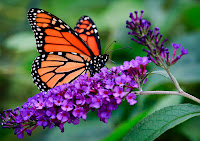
(174, 80)
(182, 93)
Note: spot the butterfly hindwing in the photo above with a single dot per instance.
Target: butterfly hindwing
(50, 70)
(87, 30)
(54, 35)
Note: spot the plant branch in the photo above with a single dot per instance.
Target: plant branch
(182, 93)
(174, 81)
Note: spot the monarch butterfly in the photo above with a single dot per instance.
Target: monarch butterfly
(65, 54)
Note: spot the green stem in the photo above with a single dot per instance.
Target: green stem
(174, 81)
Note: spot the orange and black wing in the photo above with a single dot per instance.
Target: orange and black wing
(53, 69)
(87, 30)
(53, 35)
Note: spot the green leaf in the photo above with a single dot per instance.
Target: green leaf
(160, 121)
(123, 129)
(194, 127)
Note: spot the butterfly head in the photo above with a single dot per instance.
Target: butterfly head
(97, 63)
(104, 58)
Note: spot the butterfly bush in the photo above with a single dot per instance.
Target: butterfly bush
(68, 103)
(152, 40)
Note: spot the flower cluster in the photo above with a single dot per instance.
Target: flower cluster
(156, 52)
(69, 102)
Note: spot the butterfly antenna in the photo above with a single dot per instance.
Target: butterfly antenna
(110, 46)
(104, 64)
(113, 62)
(106, 67)
(119, 49)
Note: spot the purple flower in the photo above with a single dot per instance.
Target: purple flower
(51, 112)
(19, 118)
(20, 135)
(104, 93)
(118, 100)
(113, 105)
(80, 99)
(49, 102)
(78, 112)
(104, 71)
(58, 100)
(86, 89)
(69, 94)
(27, 113)
(184, 51)
(145, 61)
(88, 100)
(131, 98)
(109, 84)
(176, 46)
(40, 104)
(96, 102)
(67, 105)
(62, 88)
(120, 80)
(127, 79)
(61, 127)
(134, 63)
(29, 132)
(56, 90)
(75, 121)
(63, 116)
(152, 40)
(118, 92)
(40, 112)
(126, 65)
(42, 122)
(77, 85)
(104, 114)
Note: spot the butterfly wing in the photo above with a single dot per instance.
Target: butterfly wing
(53, 69)
(53, 35)
(87, 30)
(63, 54)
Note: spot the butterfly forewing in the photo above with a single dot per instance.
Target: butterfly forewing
(88, 32)
(54, 35)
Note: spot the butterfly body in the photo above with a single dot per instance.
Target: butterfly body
(65, 53)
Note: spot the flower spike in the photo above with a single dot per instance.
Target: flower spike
(142, 34)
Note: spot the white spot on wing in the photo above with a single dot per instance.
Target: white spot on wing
(95, 31)
(74, 53)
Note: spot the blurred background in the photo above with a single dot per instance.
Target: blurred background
(179, 21)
